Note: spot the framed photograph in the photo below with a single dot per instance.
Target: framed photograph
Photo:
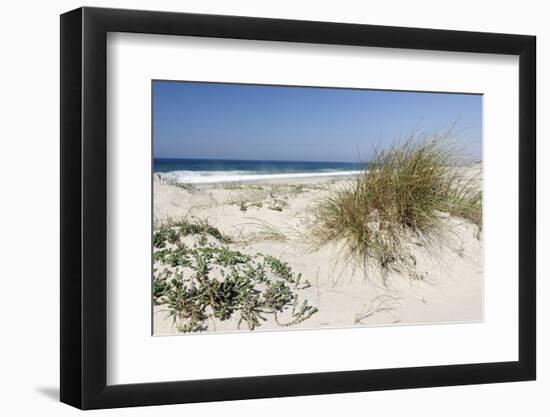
(258, 208)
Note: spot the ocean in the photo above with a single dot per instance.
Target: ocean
(210, 171)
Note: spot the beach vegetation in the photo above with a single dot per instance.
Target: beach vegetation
(277, 204)
(204, 280)
(241, 186)
(245, 205)
(184, 186)
(173, 182)
(400, 200)
(232, 186)
(266, 231)
(172, 231)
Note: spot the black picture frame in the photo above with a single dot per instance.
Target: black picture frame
(84, 207)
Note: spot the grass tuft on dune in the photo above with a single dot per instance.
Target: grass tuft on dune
(400, 198)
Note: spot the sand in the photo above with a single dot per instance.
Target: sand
(445, 288)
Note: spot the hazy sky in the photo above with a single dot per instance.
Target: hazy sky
(237, 121)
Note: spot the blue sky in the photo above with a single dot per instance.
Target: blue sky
(239, 121)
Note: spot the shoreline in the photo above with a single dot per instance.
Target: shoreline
(254, 178)
(171, 177)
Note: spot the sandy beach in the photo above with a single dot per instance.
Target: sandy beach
(271, 217)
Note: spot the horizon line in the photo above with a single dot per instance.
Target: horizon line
(251, 160)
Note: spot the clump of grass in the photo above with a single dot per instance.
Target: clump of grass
(232, 186)
(241, 186)
(297, 188)
(465, 202)
(184, 186)
(266, 232)
(277, 204)
(399, 198)
(245, 205)
(172, 230)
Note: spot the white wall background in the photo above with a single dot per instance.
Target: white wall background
(29, 228)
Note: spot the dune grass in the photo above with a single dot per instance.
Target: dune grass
(172, 230)
(400, 198)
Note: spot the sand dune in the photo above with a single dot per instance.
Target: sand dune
(259, 215)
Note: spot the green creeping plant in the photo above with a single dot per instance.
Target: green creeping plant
(210, 280)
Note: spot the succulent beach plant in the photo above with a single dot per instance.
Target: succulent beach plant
(209, 280)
